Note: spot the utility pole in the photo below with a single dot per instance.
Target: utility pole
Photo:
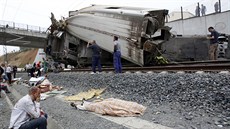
(219, 6)
(5, 53)
(181, 10)
(198, 5)
(4, 46)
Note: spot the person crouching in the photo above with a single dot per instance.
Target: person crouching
(27, 113)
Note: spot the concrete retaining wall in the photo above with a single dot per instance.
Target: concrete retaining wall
(186, 49)
(199, 25)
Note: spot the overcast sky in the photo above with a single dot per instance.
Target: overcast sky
(37, 12)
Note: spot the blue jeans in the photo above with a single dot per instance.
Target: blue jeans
(96, 61)
(117, 61)
(38, 123)
(5, 77)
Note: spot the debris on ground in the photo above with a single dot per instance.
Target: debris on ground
(85, 95)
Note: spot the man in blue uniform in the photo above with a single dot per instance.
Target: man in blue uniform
(96, 58)
(117, 55)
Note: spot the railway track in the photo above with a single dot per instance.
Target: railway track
(193, 66)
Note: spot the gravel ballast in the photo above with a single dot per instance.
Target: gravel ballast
(4, 113)
(175, 100)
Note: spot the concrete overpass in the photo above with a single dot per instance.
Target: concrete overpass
(27, 36)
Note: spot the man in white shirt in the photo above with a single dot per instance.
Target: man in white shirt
(27, 113)
(8, 73)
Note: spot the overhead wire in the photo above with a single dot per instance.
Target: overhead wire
(25, 11)
(17, 10)
(73, 6)
(3, 13)
(80, 3)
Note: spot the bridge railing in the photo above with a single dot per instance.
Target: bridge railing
(20, 26)
(202, 8)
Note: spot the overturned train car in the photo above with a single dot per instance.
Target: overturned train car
(141, 32)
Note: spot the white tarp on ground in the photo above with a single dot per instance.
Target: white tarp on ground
(47, 89)
(33, 80)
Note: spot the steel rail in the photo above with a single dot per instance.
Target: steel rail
(194, 67)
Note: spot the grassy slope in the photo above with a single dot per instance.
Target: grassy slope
(20, 59)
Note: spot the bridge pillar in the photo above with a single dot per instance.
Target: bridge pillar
(4, 45)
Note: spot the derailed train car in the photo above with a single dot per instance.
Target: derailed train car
(141, 32)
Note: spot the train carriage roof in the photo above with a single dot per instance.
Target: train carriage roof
(117, 9)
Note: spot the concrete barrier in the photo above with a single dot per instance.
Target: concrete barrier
(199, 25)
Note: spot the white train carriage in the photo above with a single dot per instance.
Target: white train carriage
(140, 30)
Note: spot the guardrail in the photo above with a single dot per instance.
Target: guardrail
(20, 26)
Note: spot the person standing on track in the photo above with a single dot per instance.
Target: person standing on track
(96, 58)
(117, 55)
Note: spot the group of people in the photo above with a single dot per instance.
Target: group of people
(5, 77)
(203, 9)
(9, 71)
(117, 51)
(35, 69)
(27, 113)
(96, 56)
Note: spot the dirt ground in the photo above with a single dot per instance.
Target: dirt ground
(20, 59)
